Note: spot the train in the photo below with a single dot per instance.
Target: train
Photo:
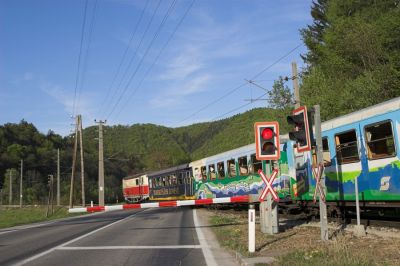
(363, 145)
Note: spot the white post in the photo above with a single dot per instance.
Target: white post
(252, 229)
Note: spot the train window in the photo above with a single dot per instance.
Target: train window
(211, 170)
(326, 155)
(196, 173)
(346, 147)
(203, 173)
(242, 161)
(255, 164)
(221, 169)
(231, 167)
(137, 182)
(380, 141)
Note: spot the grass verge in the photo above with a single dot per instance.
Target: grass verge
(301, 245)
(18, 216)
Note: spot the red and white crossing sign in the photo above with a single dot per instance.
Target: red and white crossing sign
(318, 187)
(268, 187)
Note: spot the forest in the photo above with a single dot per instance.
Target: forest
(352, 62)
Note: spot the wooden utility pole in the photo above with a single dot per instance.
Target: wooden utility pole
(50, 197)
(58, 177)
(322, 205)
(20, 183)
(101, 163)
(296, 85)
(10, 196)
(82, 164)
(71, 191)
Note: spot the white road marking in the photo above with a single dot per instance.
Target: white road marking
(130, 247)
(208, 256)
(73, 240)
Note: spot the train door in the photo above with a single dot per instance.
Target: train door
(349, 151)
(378, 179)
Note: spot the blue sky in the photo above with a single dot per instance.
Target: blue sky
(163, 74)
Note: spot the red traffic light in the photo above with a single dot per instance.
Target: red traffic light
(267, 140)
(267, 133)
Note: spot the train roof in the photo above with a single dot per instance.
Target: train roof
(378, 109)
(133, 176)
(169, 170)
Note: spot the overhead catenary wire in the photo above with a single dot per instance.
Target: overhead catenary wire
(167, 14)
(156, 58)
(79, 57)
(119, 86)
(125, 54)
(229, 92)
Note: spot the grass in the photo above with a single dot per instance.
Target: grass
(18, 216)
(302, 245)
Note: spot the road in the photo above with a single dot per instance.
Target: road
(165, 236)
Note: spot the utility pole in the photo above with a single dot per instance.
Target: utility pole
(71, 191)
(58, 177)
(82, 165)
(20, 184)
(296, 85)
(322, 205)
(101, 163)
(50, 197)
(10, 196)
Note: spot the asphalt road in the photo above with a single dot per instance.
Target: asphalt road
(165, 236)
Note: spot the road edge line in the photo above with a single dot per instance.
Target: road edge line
(205, 248)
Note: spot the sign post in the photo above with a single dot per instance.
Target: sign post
(272, 222)
(320, 184)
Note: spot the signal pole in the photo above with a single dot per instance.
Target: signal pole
(20, 184)
(296, 85)
(101, 163)
(322, 205)
(58, 177)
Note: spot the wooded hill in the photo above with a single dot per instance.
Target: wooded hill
(353, 61)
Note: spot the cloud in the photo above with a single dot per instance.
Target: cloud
(84, 106)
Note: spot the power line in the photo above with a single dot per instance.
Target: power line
(85, 58)
(241, 85)
(167, 14)
(156, 58)
(124, 54)
(79, 57)
(117, 91)
(240, 107)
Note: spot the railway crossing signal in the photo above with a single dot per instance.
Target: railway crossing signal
(268, 183)
(267, 140)
(303, 129)
(318, 186)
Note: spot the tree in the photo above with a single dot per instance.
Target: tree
(280, 97)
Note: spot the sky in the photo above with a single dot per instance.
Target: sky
(167, 62)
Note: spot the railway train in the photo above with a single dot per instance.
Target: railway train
(363, 145)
